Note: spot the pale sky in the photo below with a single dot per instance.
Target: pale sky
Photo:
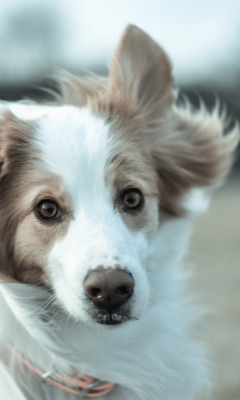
(202, 37)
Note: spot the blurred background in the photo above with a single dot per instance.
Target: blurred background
(202, 38)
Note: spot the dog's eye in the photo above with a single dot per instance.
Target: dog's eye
(48, 209)
(132, 199)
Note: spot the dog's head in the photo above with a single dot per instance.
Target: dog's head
(84, 185)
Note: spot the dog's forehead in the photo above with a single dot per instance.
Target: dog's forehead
(73, 144)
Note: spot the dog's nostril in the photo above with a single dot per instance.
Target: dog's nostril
(94, 292)
(123, 290)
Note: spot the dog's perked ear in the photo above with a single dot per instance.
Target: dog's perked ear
(189, 148)
(197, 151)
(140, 74)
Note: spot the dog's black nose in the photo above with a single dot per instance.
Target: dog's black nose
(109, 287)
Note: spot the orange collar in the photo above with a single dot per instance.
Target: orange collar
(76, 383)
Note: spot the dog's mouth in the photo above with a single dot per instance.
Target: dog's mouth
(112, 318)
(116, 316)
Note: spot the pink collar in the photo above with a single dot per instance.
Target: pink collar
(76, 383)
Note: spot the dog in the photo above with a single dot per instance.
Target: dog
(99, 191)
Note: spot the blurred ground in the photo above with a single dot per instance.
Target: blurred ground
(216, 251)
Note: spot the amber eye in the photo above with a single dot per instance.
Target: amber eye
(132, 199)
(48, 209)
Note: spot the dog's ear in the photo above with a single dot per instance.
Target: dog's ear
(14, 135)
(197, 152)
(4, 142)
(140, 74)
(14, 145)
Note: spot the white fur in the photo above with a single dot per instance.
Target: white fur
(150, 358)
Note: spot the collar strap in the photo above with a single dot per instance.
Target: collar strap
(79, 384)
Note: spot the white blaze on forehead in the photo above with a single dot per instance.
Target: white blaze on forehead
(73, 143)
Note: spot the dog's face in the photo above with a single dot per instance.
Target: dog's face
(83, 187)
(90, 205)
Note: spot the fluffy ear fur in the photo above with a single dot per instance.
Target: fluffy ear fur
(197, 152)
(14, 147)
(77, 91)
(14, 136)
(3, 145)
(140, 73)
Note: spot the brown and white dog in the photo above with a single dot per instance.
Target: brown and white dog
(98, 192)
